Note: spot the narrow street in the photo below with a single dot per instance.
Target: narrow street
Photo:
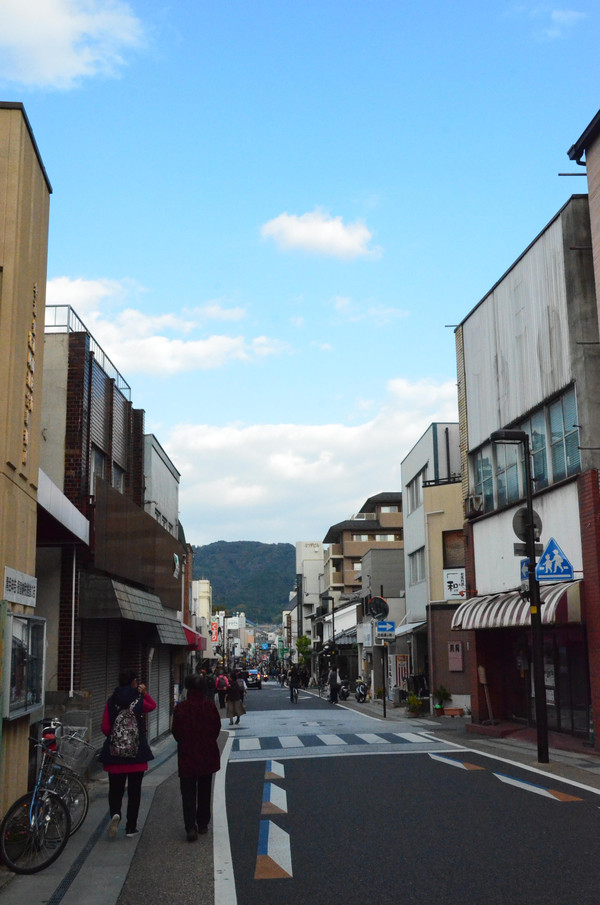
(332, 803)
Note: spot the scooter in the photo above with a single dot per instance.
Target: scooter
(344, 692)
(361, 691)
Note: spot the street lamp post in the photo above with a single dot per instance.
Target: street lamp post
(332, 601)
(537, 635)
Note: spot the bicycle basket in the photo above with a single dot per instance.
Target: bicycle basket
(74, 753)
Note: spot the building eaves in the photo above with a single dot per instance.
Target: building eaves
(335, 532)
(585, 140)
(381, 498)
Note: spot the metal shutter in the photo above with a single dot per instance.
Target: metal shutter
(100, 645)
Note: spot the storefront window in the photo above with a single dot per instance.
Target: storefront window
(26, 673)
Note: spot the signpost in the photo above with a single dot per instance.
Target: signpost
(386, 630)
(553, 564)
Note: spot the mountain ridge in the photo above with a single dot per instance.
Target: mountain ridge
(248, 576)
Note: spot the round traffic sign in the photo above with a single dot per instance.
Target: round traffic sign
(520, 524)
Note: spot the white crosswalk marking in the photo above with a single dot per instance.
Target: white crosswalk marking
(290, 741)
(249, 744)
(411, 737)
(372, 739)
(332, 740)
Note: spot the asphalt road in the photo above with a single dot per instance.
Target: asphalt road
(334, 804)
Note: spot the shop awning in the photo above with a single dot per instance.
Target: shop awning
(105, 598)
(560, 604)
(195, 641)
(408, 628)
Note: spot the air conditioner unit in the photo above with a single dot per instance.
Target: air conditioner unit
(474, 505)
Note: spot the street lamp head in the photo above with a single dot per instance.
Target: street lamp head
(508, 436)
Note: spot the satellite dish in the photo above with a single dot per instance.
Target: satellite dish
(378, 608)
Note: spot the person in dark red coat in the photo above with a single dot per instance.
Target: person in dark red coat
(196, 727)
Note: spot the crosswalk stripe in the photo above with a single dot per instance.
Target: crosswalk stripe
(371, 738)
(290, 741)
(332, 740)
(249, 744)
(412, 737)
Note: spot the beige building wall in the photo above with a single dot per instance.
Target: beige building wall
(24, 213)
(54, 407)
(445, 507)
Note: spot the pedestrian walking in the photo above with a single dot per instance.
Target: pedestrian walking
(235, 699)
(196, 727)
(294, 682)
(126, 752)
(222, 684)
(332, 681)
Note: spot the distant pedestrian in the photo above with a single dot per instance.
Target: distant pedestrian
(196, 727)
(222, 683)
(332, 681)
(126, 769)
(294, 681)
(235, 699)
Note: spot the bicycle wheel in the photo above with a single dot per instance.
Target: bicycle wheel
(75, 795)
(34, 832)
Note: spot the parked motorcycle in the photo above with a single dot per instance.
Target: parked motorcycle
(361, 691)
(343, 692)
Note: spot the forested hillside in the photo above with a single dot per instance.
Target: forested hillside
(250, 576)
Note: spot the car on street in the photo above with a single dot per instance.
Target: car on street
(253, 679)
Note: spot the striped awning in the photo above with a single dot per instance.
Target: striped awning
(560, 604)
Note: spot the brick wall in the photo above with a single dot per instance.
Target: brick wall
(589, 514)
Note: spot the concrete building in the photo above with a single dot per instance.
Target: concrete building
(121, 602)
(434, 556)
(24, 213)
(309, 582)
(528, 359)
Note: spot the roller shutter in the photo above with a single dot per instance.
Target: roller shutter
(100, 646)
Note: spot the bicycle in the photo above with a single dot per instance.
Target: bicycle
(72, 757)
(37, 826)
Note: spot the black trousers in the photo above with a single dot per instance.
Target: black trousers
(195, 799)
(116, 790)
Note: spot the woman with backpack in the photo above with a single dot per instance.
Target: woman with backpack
(222, 684)
(126, 752)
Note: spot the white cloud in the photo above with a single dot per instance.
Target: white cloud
(143, 343)
(56, 43)
(377, 314)
(561, 20)
(289, 482)
(320, 233)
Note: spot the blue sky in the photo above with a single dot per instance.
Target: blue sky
(268, 212)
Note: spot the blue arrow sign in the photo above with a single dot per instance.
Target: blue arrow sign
(386, 626)
(553, 564)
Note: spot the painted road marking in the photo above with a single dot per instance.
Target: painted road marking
(290, 741)
(274, 770)
(412, 737)
(274, 858)
(452, 762)
(332, 740)
(274, 799)
(537, 790)
(249, 744)
(371, 739)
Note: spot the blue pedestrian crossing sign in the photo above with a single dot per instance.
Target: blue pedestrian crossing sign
(553, 564)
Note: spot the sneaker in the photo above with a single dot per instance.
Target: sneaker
(113, 826)
(131, 833)
(192, 835)
(202, 830)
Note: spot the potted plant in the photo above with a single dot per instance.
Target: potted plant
(413, 705)
(441, 697)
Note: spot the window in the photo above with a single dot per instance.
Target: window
(386, 537)
(416, 565)
(507, 473)
(360, 537)
(24, 690)
(498, 474)
(415, 491)
(483, 483)
(118, 478)
(390, 509)
(97, 467)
